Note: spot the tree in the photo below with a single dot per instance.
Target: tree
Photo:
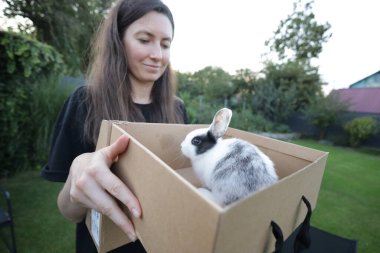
(204, 92)
(243, 82)
(67, 26)
(29, 100)
(324, 112)
(273, 103)
(305, 82)
(299, 37)
(186, 83)
(215, 83)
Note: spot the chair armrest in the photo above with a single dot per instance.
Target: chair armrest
(7, 197)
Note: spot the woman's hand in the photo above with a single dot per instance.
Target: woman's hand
(91, 184)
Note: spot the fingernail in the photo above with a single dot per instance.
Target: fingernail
(132, 236)
(135, 213)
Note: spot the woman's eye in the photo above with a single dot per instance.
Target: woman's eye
(165, 45)
(144, 41)
(196, 141)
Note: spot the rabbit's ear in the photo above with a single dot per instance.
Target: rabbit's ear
(220, 123)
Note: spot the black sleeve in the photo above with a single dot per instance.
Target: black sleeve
(67, 139)
(185, 119)
(182, 110)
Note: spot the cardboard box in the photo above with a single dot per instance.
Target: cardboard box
(176, 218)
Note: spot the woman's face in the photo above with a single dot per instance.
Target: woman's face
(147, 44)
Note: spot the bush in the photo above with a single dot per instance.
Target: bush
(24, 59)
(248, 121)
(274, 103)
(190, 106)
(202, 112)
(360, 129)
(324, 112)
(281, 128)
(206, 112)
(27, 128)
(29, 95)
(47, 99)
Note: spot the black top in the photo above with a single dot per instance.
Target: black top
(68, 143)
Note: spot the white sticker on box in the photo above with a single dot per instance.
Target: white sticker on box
(95, 226)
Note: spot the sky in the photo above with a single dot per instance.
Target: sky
(232, 34)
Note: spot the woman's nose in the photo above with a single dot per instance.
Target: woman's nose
(156, 52)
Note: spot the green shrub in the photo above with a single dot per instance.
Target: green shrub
(324, 112)
(47, 99)
(274, 103)
(360, 129)
(202, 112)
(190, 106)
(199, 110)
(30, 95)
(281, 128)
(206, 112)
(26, 59)
(27, 121)
(249, 121)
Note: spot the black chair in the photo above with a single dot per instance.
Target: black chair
(6, 220)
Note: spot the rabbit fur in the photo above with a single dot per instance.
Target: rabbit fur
(228, 169)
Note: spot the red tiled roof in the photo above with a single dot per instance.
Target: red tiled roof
(360, 99)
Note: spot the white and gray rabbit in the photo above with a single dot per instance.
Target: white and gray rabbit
(228, 169)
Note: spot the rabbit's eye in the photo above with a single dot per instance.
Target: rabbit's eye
(196, 141)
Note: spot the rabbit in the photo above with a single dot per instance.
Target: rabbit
(228, 169)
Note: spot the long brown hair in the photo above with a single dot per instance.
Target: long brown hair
(109, 88)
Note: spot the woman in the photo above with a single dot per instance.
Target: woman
(129, 78)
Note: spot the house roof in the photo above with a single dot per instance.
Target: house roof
(366, 100)
(368, 82)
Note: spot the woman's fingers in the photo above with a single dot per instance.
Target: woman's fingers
(92, 192)
(107, 205)
(119, 190)
(112, 183)
(114, 150)
(93, 185)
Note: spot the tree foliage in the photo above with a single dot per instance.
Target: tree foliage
(300, 37)
(214, 82)
(29, 100)
(294, 77)
(67, 26)
(205, 91)
(244, 80)
(324, 112)
(23, 58)
(273, 103)
(185, 82)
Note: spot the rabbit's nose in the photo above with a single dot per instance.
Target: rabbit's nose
(183, 149)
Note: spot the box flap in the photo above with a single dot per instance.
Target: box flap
(101, 227)
(162, 138)
(167, 201)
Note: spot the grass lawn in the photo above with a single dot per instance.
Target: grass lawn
(348, 204)
(39, 226)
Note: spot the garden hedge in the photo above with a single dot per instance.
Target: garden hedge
(29, 88)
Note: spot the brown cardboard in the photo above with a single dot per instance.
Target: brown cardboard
(176, 218)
